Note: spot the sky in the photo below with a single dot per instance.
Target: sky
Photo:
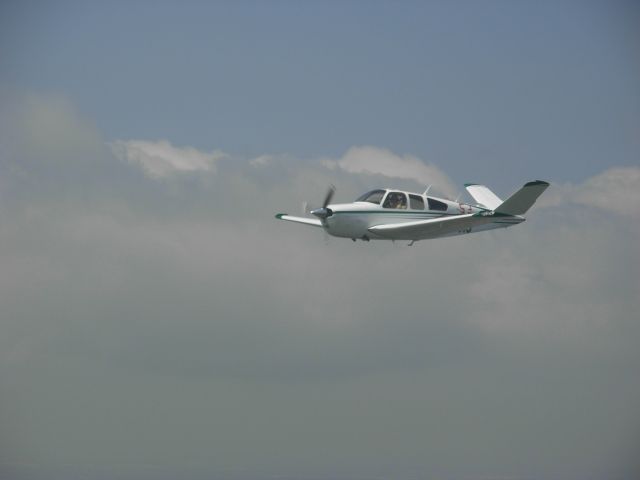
(157, 321)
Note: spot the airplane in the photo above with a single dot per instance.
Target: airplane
(391, 214)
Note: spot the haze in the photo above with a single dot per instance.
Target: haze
(157, 322)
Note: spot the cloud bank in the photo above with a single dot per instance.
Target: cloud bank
(187, 326)
(614, 190)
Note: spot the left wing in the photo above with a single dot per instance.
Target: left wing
(307, 221)
(431, 228)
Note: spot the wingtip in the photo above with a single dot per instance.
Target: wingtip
(280, 215)
(537, 182)
(469, 184)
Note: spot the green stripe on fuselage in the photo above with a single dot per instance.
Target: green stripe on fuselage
(391, 212)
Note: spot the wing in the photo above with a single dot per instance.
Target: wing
(483, 195)
(307, 221)
(432, 228)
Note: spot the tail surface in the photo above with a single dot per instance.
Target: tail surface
(481, 194)
(523, 199)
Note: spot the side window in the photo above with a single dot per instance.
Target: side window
(416, 202)
(395, 200)
(436, 204)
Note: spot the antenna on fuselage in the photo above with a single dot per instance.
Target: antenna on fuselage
(427, 190)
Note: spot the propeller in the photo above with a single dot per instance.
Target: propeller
(307, 207)
(328, 196)
(324, 212)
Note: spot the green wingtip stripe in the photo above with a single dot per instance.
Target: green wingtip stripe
(280, 215)
(470, 184)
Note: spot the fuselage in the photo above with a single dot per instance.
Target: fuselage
(389, 206)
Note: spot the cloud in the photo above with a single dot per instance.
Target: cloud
(615, 191)
(188, 326)
(160, 159)
(380, 161)
(261, 160)
(44, 128)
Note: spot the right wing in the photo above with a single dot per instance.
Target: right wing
(307, 221)
(431, 228)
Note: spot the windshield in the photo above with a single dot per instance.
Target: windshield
(374, 196)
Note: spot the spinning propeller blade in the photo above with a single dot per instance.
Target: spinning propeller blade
(328, 196)
(324, 212)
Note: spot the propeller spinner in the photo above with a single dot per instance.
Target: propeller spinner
(324, 211)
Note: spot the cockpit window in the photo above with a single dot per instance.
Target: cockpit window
(395, 200)
(374, 196)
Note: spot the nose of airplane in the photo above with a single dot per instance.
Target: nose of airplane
(322, 213)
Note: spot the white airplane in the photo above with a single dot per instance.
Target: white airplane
(389, 214)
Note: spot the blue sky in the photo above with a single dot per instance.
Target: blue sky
(157, 321)
(481, 88)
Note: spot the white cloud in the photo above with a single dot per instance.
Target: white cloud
(161, 159)
(261, 161)
(380, 161)
(615, 190)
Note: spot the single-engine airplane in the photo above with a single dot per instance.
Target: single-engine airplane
(389, 214)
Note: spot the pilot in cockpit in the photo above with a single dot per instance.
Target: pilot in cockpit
(395, 200)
